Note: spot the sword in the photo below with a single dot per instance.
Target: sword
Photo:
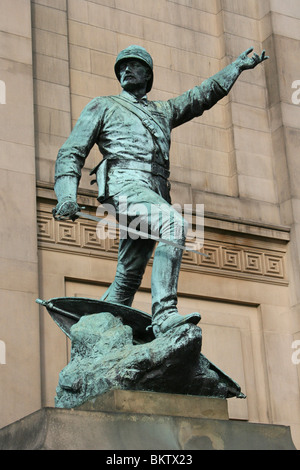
(137, 232)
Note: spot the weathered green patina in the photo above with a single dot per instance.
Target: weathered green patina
(134, 135)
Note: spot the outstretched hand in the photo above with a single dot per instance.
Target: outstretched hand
(246, 62)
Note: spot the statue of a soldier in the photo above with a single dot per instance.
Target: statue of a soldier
(133, 136)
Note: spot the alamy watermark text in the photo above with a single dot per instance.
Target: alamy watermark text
(296, 94)
(2, 352)
(2, 92)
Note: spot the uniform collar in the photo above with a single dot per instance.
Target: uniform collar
(133, 99)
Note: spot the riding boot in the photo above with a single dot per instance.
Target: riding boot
(164, 280)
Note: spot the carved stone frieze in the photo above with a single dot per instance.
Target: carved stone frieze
(246, 259)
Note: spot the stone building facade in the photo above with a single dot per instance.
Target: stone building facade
(240, 159)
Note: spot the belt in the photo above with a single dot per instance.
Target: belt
(153, 167)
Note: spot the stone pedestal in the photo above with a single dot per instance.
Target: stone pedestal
(139, 421)
(163, 404)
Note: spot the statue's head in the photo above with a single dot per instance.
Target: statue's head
(135, 53)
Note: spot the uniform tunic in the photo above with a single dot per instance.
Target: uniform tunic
(123, 140)
(121, 136)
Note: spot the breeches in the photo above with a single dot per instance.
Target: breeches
(144, 209)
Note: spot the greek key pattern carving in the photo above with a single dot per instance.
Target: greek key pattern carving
(244, 260)
(221, 258)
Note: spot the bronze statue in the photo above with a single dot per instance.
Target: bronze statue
(133, 136)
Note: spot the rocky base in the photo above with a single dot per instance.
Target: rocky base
(103, 358)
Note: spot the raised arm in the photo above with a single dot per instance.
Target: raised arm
(228, 76)
(194, 102)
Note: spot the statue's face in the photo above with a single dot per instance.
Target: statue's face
(133, 74)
